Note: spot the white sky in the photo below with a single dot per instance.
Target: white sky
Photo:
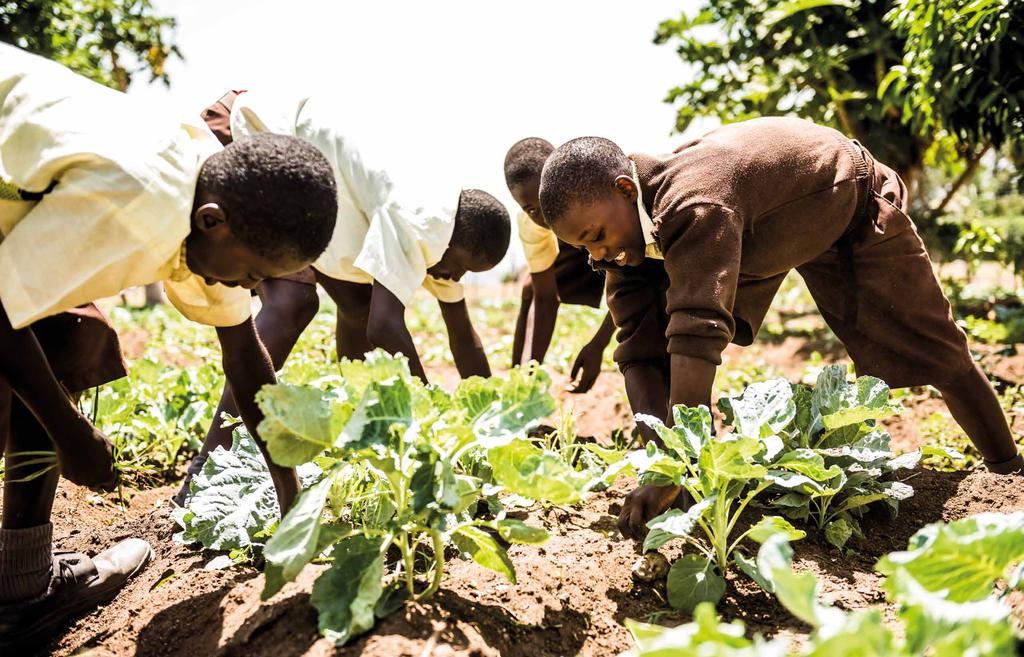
(444, 87)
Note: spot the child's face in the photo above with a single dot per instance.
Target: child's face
(608, 228)
(213, 252)
(454, 264)
(527, 196)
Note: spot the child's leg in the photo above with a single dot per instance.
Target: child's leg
(975, 407)
(288, 308)
(353, 301)
(26, 534)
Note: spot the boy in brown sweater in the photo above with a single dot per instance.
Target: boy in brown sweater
(696, 244)
(559, 273)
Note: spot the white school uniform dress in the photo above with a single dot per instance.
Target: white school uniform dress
(378, 236)
(109, 185)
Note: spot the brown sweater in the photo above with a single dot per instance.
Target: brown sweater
(734, 211)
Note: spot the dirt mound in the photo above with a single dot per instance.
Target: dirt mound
(573, 593)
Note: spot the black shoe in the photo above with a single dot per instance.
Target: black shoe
(77, 584)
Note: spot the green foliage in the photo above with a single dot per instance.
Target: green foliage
(943, 587)
(962, 68)
(821, 60)
(109, 41)
(424, 460)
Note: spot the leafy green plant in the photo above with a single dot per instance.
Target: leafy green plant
(943, 587)
(722, 476)
(422, 446)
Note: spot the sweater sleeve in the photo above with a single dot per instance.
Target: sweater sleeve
(636, 302)
(702, 244)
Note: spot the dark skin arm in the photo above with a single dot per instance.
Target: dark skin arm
(691, 383)
(83, 451)
(544, 312)
(386, 328)
(467, 350)
(587, 366)
(248, 368)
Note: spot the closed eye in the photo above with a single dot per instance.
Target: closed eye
(599, 236)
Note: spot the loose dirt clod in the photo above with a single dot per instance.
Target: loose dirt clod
(651, 567)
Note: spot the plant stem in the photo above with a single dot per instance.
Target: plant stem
(438, 545)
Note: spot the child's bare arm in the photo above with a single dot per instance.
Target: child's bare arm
(386, 328)
(692, 380)
(545, 313)
(83, 452)
(248, 368)
(587, 365)
(467, 350)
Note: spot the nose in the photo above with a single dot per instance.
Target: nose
(598, 252)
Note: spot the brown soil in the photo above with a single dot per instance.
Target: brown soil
(572, 597)
(573, 593)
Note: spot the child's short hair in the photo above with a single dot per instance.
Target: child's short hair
(279, 194)
(579, 172)
(482, 226)
(525, 160)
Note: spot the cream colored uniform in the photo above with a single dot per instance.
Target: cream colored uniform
(117, 184)
(540, 246)
(377, 236)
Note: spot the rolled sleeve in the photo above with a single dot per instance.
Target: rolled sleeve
(702, 245)
(444, 291)
(636, 301)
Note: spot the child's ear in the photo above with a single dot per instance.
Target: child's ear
(627, 187)
(210, 216)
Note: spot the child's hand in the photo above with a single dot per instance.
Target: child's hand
(87, 458)
(585, 369)
(643, 504)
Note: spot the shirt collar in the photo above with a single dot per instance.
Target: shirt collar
(646, 223)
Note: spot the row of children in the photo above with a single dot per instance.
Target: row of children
(260, 197)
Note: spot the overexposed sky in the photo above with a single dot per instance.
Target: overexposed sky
(441, 88)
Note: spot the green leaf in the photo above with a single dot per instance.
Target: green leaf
(300, 537)
(763, 410)
(798, 592)
(386, 404)
(782, 11)
(299, 422)
(346, 594)
(674, 523)
(232, 500)
(394, 596)
(769, 526)
(807, 462)
(692, 579)
(749, 567)
(526, 470)
(839, 531)
(378, 365)
(733, 459)
(483, 549)
(517, 531)
(501, 409)
(962, 560)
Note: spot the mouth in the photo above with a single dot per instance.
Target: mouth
(620, 259)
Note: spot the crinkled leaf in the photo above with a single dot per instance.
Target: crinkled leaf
(232, 499)
(674, 523)
(384, 405)
(346, 594)
(517, 531)
(378, 365)
(764, 409)
(526, 470)
(481, 547)
(806, 462)
(692, 579)
(501, 409)
(299, 422)
(839, 531)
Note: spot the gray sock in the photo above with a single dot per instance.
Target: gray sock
(25, 562)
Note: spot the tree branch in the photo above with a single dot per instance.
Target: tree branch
(962, 179)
